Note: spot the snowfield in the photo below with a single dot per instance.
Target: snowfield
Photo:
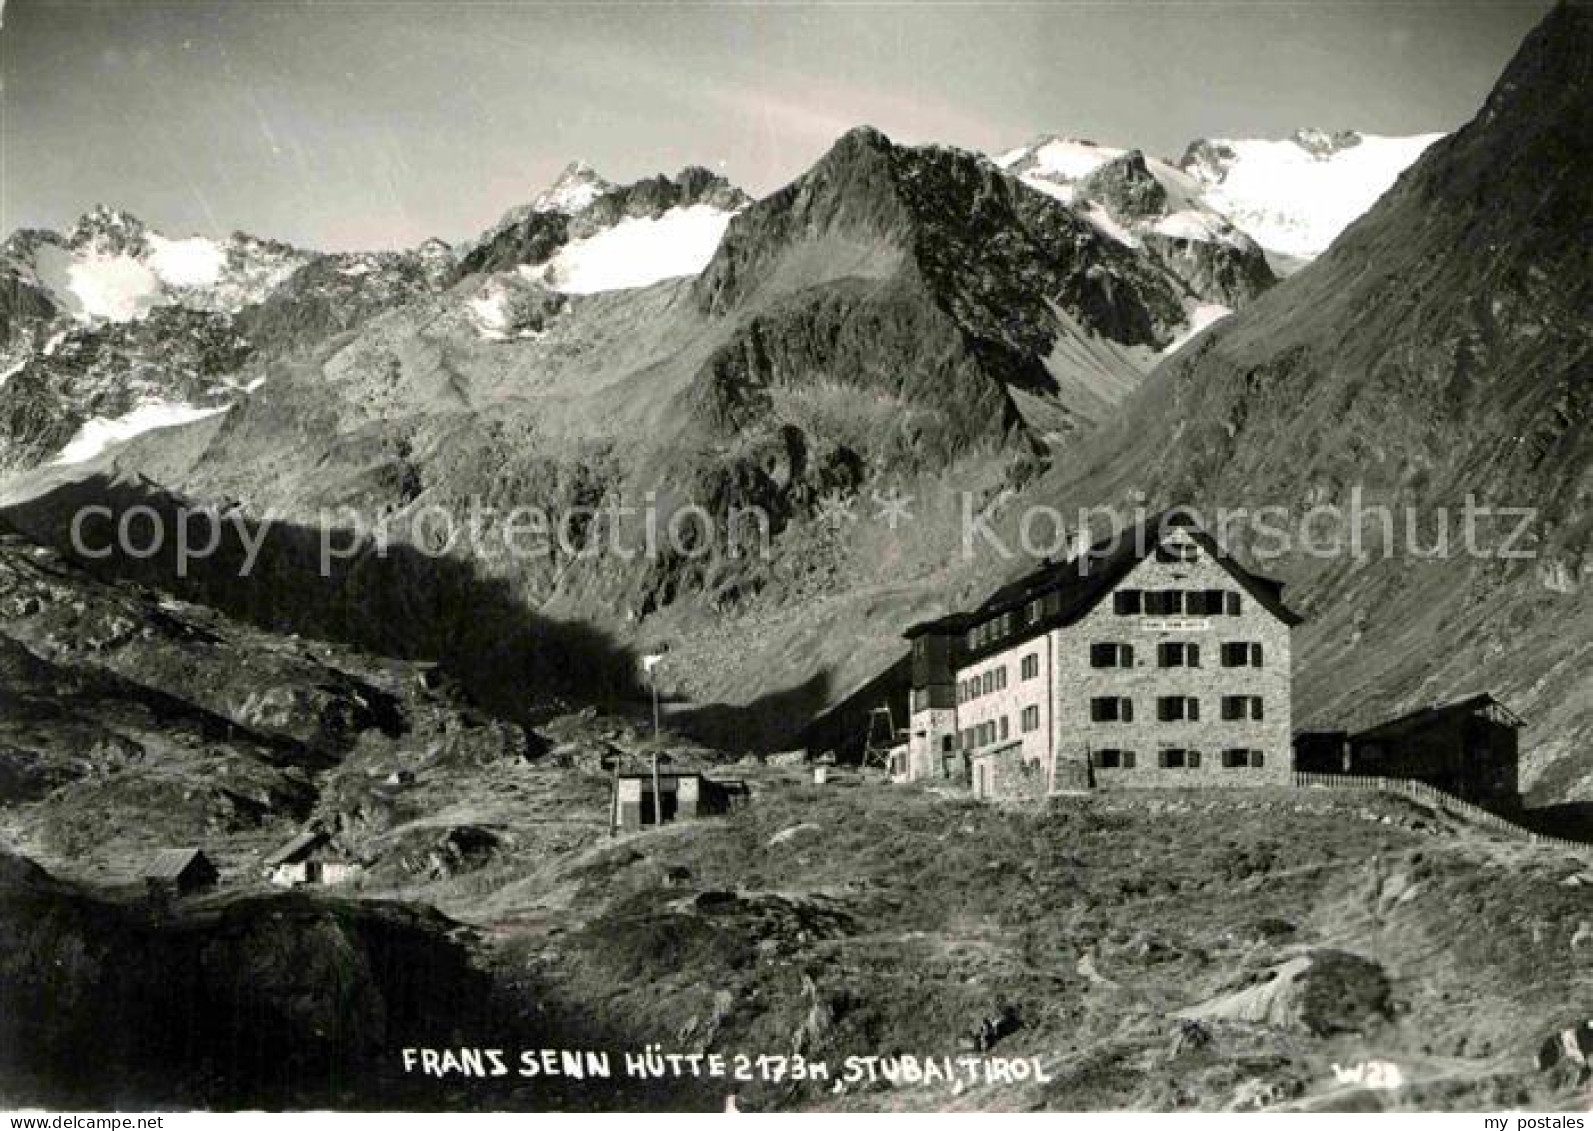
(1294, 201)
(117, 288)
(639, 251)
(100, 433)
(192, 262)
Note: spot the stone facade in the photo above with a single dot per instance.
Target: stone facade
(1079, 739)
(1005, 771)
(1176, 675)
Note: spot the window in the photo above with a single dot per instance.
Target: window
(987, 682)
(1178, 654)
(1001, 678)
(1241, 707)
(1105, 654)
(1164, 602)
(1241, 654)
(1030, 719)
(1128, 602)
(1239, 759)
(1176, 759)
(1113, 759)
(1176, 552)
(968, 739)
(1178, 708)
(1035, 610)
(1111, 709)
(1031, 666)
(948, 743)
(1003, 727)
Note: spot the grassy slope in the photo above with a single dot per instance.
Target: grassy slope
(873, 920)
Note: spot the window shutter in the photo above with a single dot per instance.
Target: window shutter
(1255, 655)
(1128, 759)
(1193, 759)
(1194, 655)
(1232, 604)
(1258, 759)
(1194, 710)
(1128, 655)
(1127, 710)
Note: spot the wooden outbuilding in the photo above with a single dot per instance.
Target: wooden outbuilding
(176, 872)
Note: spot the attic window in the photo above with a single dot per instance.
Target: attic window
(1127, 602)
(1176, 552)
(1164, 602)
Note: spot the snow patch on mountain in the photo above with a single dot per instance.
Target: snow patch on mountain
(1201, 315)
(1059, 161)
(1295, 195)
(638, 251)
(192, 262)
(99, 434)
(117, 288)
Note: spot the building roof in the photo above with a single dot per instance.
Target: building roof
(297, 848)
(171, 863)
(1085, 579)
(1424, 717)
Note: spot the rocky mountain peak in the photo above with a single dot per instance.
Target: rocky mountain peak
(108, 230)
(1125, 185)
(573, 191)
(1324, 143)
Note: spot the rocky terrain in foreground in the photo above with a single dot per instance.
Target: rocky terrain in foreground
(1144, 951)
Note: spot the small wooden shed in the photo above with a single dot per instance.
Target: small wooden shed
(176, 872)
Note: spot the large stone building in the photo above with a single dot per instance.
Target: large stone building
(1153, 659)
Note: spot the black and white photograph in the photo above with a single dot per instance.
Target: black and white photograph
(796, 557)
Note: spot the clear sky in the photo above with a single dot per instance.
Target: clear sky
(358, 125)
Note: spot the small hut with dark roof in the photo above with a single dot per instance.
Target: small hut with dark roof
(179, 872)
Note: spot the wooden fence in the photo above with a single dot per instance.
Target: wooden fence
(1438, 799)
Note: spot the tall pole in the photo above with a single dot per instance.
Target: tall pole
(658, 793)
